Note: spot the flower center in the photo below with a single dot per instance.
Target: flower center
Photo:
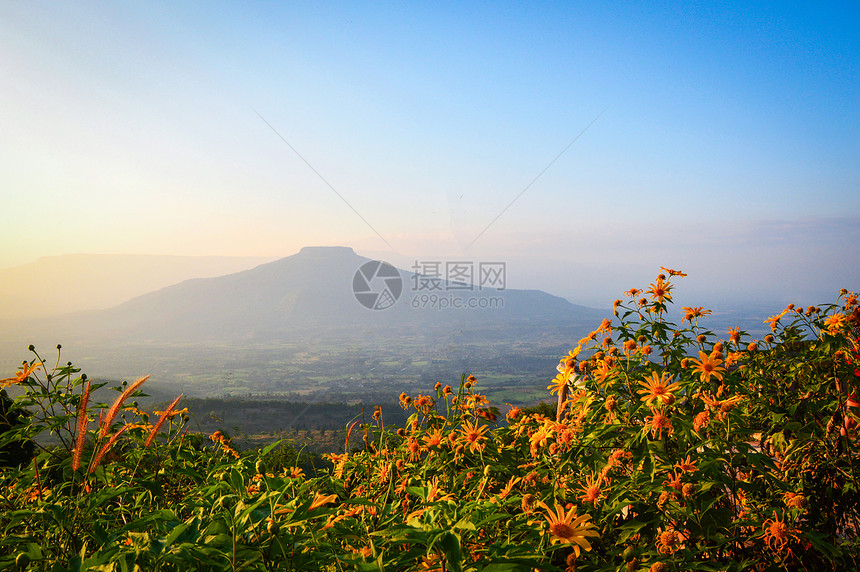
(562, 530)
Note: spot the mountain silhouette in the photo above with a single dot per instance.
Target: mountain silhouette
(321, 291)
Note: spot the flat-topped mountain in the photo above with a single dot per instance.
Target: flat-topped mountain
(315, 291)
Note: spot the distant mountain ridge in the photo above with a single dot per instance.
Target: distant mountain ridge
(312, 291)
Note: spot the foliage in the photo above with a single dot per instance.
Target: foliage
(19, 451)
(671, 450)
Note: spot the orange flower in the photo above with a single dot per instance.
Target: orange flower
(566, 527)
(604, 368)
(774, 320)
(721, 406)
(424, 403)
(508, 488)
(414, 449)
(708, 365)
(658, 388)
(660, 291)
(691, 314)
(674, 481)
(605, 325)
(672, 272)
(473, 435)
(435, 492)
(735, 335)
(476, 399)
(795, 500)
(22, 375)
(733, 358)
(669, 541)
(687, 465)
(383, 472)
(703, 419)
(657, 423)
(591, 491)
(615, 459)
(433, 439)
(777, 533)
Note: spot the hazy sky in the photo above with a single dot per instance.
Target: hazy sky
(724, 138)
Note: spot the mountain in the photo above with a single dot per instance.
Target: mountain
(56, 285)
(319, 292)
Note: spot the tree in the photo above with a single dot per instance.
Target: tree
(13, 451)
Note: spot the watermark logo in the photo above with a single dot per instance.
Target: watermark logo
(436, 284)
(435, 275)
(377, 285)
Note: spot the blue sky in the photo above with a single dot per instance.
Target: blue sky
(726, 142)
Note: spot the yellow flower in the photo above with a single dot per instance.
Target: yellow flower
(539, 438)
(320, 500)
(558, 383)
(172, 413)
(566, 527)
(835, 322)
(658, 388)
(708, 365)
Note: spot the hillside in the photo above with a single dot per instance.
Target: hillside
(309, 293)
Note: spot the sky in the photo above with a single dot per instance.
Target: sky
(585, 144)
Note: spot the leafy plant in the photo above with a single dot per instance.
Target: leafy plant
(670, 449)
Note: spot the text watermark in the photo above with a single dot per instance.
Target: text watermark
(436, 284)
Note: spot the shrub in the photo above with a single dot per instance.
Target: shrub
(673, 449)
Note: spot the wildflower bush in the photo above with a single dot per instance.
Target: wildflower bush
(670, 449)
